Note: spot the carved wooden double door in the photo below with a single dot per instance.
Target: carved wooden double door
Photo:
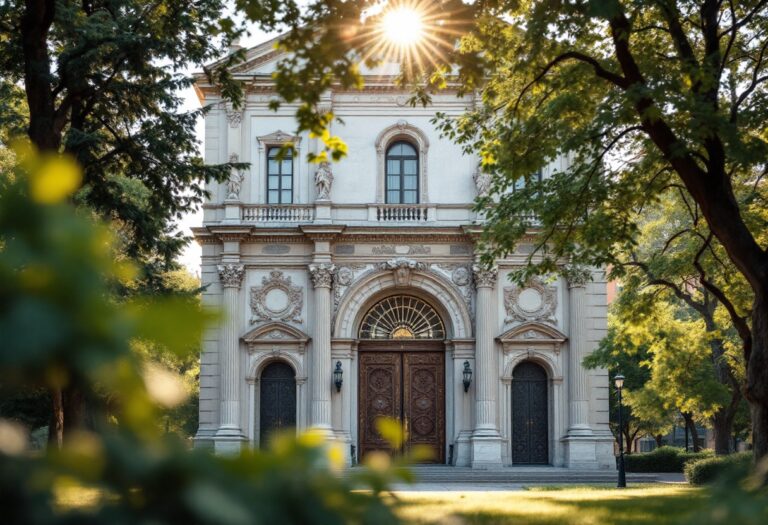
(408, 386)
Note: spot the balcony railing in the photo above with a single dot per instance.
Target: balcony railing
(403, 213)
(279, 213)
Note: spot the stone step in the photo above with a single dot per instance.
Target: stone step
(447, 475)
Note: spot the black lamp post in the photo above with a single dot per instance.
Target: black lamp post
(619, 382)
(337, 376)
(467, 376)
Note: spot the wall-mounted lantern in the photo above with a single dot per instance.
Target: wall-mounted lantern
(337, 376)
(467, 376)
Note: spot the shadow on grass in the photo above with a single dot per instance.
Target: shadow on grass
(658, 505)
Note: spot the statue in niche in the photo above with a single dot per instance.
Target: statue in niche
(482, 183)
(324, 181)
(235, 181)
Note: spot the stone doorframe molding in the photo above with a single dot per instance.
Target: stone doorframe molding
(275, 139)
(408, 132)
(266, 344)
(432, 286)
(541, 344)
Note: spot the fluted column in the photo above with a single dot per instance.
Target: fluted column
(322, 277)
(229, 434)
(578, 379)
(485, 398)
(486, 440)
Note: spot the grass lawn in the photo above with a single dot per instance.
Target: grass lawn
(655, 504)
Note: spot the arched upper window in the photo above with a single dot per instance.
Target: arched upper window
(402, 317)
(402, 174)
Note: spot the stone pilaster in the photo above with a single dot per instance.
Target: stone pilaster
(229, 436)
(582, 444)
(579, 381)
(486, 439)
(322, 277)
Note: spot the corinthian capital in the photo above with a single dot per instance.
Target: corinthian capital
(577, 276)
(231, 275)
(485, 277)
(322, 274)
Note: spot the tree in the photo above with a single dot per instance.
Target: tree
(674, 265)
(640, 95)
(100, 81)
(60, 324)
(640, 416)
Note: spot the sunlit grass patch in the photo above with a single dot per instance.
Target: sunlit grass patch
(580, 505)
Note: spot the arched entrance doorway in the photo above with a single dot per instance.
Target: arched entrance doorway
(402, 375)
(277, 401)
(530, 409)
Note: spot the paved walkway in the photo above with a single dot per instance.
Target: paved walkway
(438, 478)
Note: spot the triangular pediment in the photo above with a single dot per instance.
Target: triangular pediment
(279, 137)
(261, 61)
(532, 332)
(275, 333)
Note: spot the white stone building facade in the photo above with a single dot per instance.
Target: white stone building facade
(369, 267)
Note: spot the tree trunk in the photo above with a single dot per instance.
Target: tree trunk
(722, 425)
(690, 424)
(756, 391)
(74, 409)
(35, 25)
(56, 421)
(658, 438)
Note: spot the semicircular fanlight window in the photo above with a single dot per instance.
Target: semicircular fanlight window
(402, 317)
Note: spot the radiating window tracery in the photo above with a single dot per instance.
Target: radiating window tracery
(402, 317)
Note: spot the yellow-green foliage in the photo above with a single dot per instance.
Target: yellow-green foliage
(61, 328)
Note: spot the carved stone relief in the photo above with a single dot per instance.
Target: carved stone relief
(391, 249)
(461, 276)
(277, 299)
(533, 302)
(343, 279)
(402, 269)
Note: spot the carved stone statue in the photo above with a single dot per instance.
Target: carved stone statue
(324, 181)
(482, 183)
(235, 181)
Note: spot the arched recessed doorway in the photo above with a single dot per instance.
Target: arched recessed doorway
(402, 375)
(530, 414)
(277, 401)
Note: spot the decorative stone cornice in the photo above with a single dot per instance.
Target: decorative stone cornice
(485, 277)
(322, 274)
(231, 275)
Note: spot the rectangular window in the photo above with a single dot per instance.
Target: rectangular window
(520, 183)
(279, 177)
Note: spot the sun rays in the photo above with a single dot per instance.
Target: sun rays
(416, 34)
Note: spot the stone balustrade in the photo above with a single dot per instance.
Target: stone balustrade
(279, 213)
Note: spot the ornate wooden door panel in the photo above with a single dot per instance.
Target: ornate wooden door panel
(530, 409)
(380, 396)
(424, 401)
(277, 401)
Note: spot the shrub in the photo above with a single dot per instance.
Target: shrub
(663, 459)
(707, 470)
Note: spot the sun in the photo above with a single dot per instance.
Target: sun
(403, 26)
